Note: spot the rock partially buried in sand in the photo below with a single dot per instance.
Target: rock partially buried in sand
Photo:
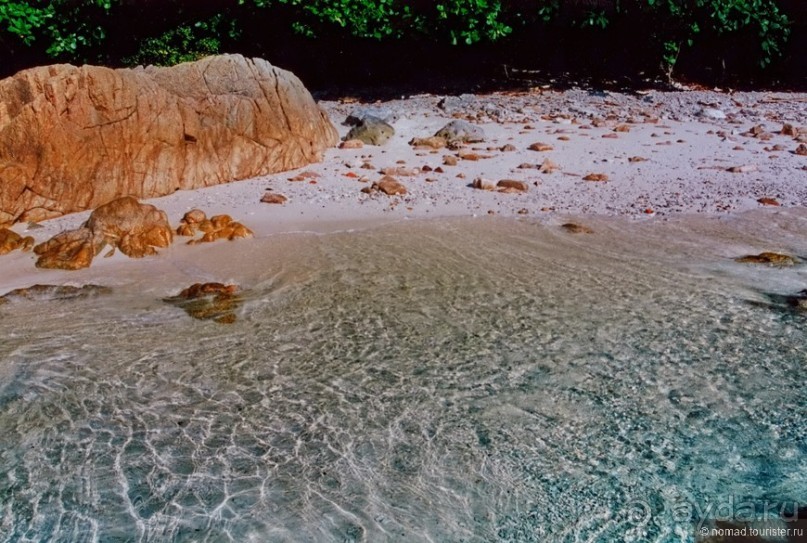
(47, 293)
(481, 183)
(11, 241)
(136, 229)
(766, 201)
(790, 130)
(388, 185)
(71, 250)
(548, 166)
(771, 259)
(747, 168)
(209, 301)
(371, 131)
(403, 171)
(540, 147)
(215, 228)
(221, 227)
(273, 198)
(73, 138)
(460, 131)
(190, 222)
(433, 142)
(512, 185)
(464, 154)
(351, 144)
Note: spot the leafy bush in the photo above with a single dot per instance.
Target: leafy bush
(21, 20)
(462, 21)
(177, 30)
(65, 27)
(687, 21)
(185, 43)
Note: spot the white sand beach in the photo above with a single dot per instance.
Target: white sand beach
(661, 155)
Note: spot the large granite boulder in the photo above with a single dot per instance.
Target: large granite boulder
(73, 138)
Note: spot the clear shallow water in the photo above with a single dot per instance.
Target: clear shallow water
(436, 381)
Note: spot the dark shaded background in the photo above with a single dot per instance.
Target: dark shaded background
(558, 54)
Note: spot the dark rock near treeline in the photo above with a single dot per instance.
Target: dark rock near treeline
(360, 113)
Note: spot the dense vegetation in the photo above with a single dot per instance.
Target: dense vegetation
(719, 36)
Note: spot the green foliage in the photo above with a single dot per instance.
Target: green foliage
(65, 26)
(472, 21)
(596, 19)
(676, 24)
(20, 19)
(185, 43)
(181, 30)
(460, 21)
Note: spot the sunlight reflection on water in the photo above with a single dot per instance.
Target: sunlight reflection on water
(449, 380)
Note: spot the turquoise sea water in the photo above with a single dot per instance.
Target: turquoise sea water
(456, 380)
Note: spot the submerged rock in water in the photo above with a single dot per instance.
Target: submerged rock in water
(787, 303)
(574, 228)
(798, 301)
(136, 229)
(771, 259)
(47, 293)
(209, 301)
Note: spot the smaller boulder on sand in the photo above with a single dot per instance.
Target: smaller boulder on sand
(371, 131)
